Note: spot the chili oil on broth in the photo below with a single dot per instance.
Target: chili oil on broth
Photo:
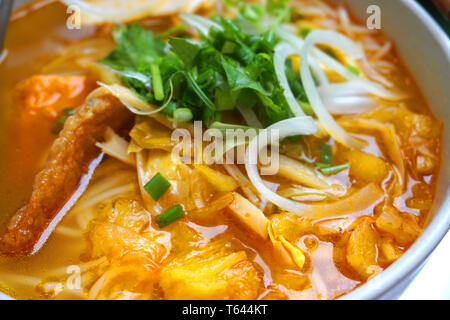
(42, 275)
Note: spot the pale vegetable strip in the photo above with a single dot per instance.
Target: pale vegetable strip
(117, 147)
(249, 215)
(245, 185)
(339, 41)
(300, 173)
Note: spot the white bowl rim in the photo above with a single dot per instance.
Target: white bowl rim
(417, 254)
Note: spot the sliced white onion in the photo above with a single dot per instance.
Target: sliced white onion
(339, 41)
(318, 72)
(343, 89)
(117, 10)
(249, 116)
(200, 23)
(129, 99)
(272, 187)
(373, 88)
(373, 74)
(97, 11)
(129, 74)
(282, 52)
(294, 126)
(346, 98)
(348, 104)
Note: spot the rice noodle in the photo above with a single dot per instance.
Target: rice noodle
(383, 51)
(61, 272)
(107, 195)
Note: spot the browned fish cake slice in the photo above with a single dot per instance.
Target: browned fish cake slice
(68, 161)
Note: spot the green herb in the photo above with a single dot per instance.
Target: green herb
(182, 115)
(139, 51)
(175, 30)
(326, 154)
(170, 216)
(335, 169)
(304, 32)
(170, 109)
(185, 49)
(330, 52)
(226, 68)
(306, 107)
(294, 139)
(320, 165)
(353, 69)
(59, 123)
(157, 186)
(225, 126)
(194, 86)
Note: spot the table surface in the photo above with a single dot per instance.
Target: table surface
(428, 5)
(433, 281)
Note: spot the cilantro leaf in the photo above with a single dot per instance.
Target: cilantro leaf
(186, 50)
(238, 80)
(136, 49)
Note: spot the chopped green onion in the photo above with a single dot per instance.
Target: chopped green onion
(169, 110)
(224, 100)
(335, 169)
(326, 154)
(306, 107)
(157, 186)
(353, 69)
(319, 165)
(182, 115)
(228, 47)
(253, 12)
(304, 32)
(158, 88)
(224, 126)
(171, 215)
(194, 85)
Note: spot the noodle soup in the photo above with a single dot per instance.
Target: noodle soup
(357, 170)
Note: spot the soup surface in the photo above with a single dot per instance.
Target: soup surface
(213, 233)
